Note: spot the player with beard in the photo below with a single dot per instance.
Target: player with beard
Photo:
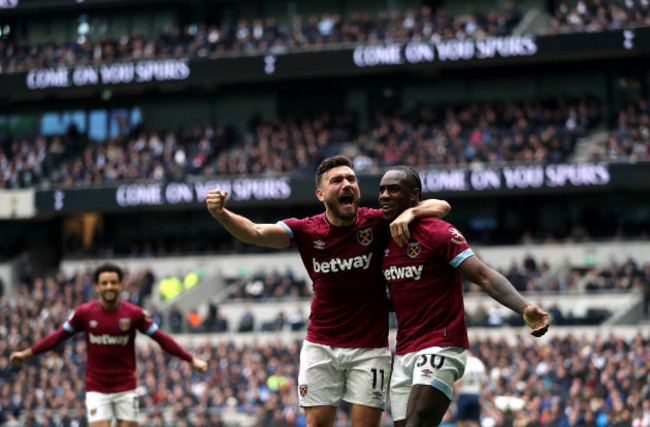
(110, 325)
(345, 355)
(424, 280)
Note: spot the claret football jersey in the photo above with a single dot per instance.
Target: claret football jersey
(425, 288)
(110, 343)
(349, 307)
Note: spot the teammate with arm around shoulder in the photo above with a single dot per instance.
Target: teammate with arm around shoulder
(109, 325)
(345, 355)
(424, 280)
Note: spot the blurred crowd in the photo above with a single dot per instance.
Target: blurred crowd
(273, 284)
(529, 276)
(540, 131)
(567, 381)
(599, 15)
(258, 36)
(563, 381)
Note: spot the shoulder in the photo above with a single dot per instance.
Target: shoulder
(432, 224)
(370, 214)
(86, 307)
(315, 219)
(132, 308)
(436, 228)
(304, 225)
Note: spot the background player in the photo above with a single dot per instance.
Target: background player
(109, 325)
(345, 355)
(424, 280)
(468, 389)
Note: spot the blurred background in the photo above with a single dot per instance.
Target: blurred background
(531, 117)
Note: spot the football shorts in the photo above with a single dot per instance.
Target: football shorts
(106, 406)
(438, 367)
(330, 374)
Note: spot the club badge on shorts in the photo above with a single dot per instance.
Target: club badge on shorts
(302, 390)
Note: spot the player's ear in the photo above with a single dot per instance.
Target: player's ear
(319, 194)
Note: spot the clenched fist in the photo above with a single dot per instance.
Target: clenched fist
(215, 200)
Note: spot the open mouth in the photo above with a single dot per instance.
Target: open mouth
(346, 201)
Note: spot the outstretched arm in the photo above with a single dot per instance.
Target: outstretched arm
(17, 358)
(46, 344)
(499, 288)
(269, 235)
(168, 344)
(399, 228)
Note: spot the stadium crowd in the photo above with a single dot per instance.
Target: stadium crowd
(257, 36)
(567, 381)
(541, 131)
(598, 15)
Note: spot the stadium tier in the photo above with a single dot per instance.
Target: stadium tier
(531, 118)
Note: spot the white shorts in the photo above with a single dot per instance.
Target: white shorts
(106, 406)
(331, 374)
(438, 367)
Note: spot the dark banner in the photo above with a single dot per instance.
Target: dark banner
(285, 191)
(362, 59)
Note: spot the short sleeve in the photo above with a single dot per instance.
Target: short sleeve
(146, 324)
(74, 322)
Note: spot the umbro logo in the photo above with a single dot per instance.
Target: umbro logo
(319, 244)
(92, 323)
(386, 252)
(427, 373)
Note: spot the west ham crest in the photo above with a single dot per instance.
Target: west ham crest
(364, 236)
(302, 390)
(413, 249)
(125, 324)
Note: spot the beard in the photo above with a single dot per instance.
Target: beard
(338, 213)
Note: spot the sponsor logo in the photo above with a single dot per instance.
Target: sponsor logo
(106, 339)
(364, 236)
(456, 236)
(92, 323)
(426, 373)
(319, 244)
(413, 249)
(125, 324)
(378, 395)
(302, 390)
(337, 264)
(407, 272)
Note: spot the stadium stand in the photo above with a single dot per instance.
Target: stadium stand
(256, 36)
(594, 16)
(531, 118)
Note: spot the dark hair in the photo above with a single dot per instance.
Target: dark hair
(108, 268)
(331, 163)
(412, 178)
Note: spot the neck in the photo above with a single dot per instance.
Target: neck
(339, 222)
(108, 305)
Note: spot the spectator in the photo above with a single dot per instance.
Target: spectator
(247, 320)
(175, 319)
